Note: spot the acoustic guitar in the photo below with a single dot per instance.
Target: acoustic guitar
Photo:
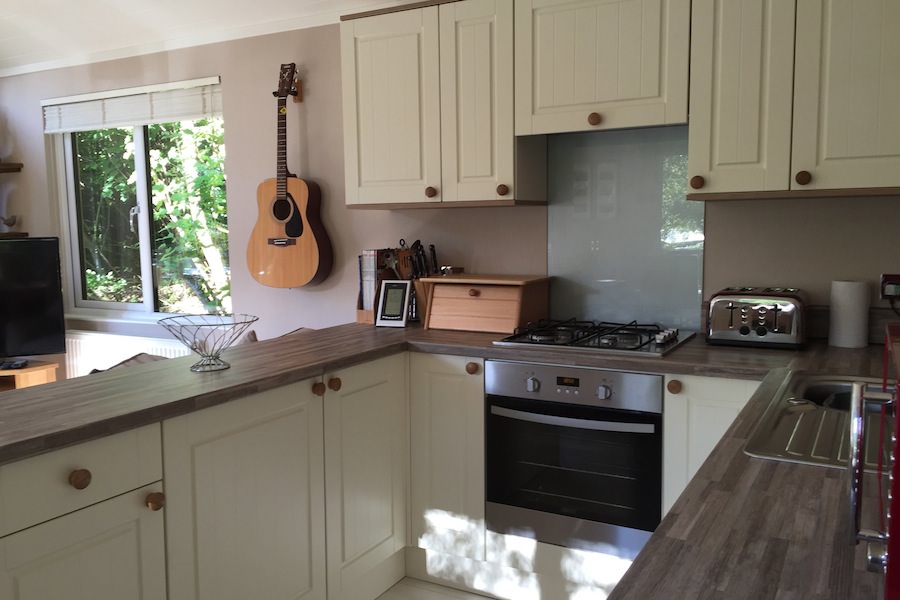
(288, 246)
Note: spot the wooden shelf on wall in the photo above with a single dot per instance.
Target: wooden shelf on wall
(10, 167)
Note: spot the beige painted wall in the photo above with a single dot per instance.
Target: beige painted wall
(803, 243)
(496, 240)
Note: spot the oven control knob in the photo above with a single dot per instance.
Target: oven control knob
(532, 384)
(604, 392)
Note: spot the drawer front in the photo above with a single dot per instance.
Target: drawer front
(36, 489)
(476, 293)
(489, 308)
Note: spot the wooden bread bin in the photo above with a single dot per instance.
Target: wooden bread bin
(488, 303)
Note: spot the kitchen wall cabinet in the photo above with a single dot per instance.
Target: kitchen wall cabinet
(366, 475)
(428, 109)
(447, 454)
(696, 413)
(245, 488)
(583, 65)
(792, 96)
(85, 522)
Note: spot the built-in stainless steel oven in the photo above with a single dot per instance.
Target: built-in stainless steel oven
(573, 455)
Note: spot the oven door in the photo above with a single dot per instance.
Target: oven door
(572, 475)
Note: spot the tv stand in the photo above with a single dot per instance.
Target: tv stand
(36, 373)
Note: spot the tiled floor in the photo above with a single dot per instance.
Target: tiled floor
(414, 589)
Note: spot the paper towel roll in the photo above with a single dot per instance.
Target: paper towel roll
(849, 319)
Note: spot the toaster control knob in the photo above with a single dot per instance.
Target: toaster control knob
(761, 331)
(532, 384)
(744, 330)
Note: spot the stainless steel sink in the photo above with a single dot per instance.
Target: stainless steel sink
(808, 421)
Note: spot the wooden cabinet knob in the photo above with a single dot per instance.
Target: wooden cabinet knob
(80, 479)
(474, 293)
(334, 384)
(674, 386)
(803, 177)
(697, 182)
(155, 501)
(595, 118)
(318, 388)
(502, 189)
(472, 368)
(431, 192)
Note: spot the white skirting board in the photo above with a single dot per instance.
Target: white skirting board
(88, 350)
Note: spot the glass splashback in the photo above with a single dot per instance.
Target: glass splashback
(623, 243)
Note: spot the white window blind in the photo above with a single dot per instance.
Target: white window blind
(177, 101)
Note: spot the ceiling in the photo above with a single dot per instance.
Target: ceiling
(37, 35)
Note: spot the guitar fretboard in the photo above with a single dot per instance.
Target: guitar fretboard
(281, 151)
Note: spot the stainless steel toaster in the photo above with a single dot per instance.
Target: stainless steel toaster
(757, 316)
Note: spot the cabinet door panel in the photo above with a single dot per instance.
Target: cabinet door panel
(476, 99)
(246, 503)
(741, 83)
(366, 457)
(391, 107)
(847, 82)
(113, 549)
(447, 452)
(626, 59)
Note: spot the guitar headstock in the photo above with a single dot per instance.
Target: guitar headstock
(286, 81)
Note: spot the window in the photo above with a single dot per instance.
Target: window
(146, 206)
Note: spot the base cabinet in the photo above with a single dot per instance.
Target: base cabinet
(113, 549)
(447, 454)
(245, 487)
(697, 411)
(366, 473)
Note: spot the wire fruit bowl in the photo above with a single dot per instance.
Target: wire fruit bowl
(208, 336)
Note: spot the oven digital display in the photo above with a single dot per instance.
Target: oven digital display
(568, 381)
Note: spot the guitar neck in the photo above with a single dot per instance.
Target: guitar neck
(281, 151)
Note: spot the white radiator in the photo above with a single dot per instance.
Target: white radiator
(88, 350)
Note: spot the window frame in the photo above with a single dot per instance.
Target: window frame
(60, 161)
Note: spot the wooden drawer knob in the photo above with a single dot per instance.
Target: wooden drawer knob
(697, 182)
(80, 479)
(803, 177)
(474, 293)
(318, 388)
(595, 118)
(674, 386)
(431, 192)
(155, 501)
(502, 190)
(334, 384)
(472, 368)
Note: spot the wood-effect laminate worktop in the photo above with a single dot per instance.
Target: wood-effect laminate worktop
(744, 527)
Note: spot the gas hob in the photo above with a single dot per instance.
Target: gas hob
(597, 336)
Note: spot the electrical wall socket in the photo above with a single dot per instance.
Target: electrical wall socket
(890, 286)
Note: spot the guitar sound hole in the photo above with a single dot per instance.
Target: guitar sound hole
(282, 209)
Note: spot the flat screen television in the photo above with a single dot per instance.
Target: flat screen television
(32, 319)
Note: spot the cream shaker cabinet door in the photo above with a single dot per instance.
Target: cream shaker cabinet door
(366, 473)
(391, 107)
(697, 411)
(741, 92)
(245, 489)
(600, 64)
(113, 549)
(847, 94)
(447, 453)
(477, 137)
